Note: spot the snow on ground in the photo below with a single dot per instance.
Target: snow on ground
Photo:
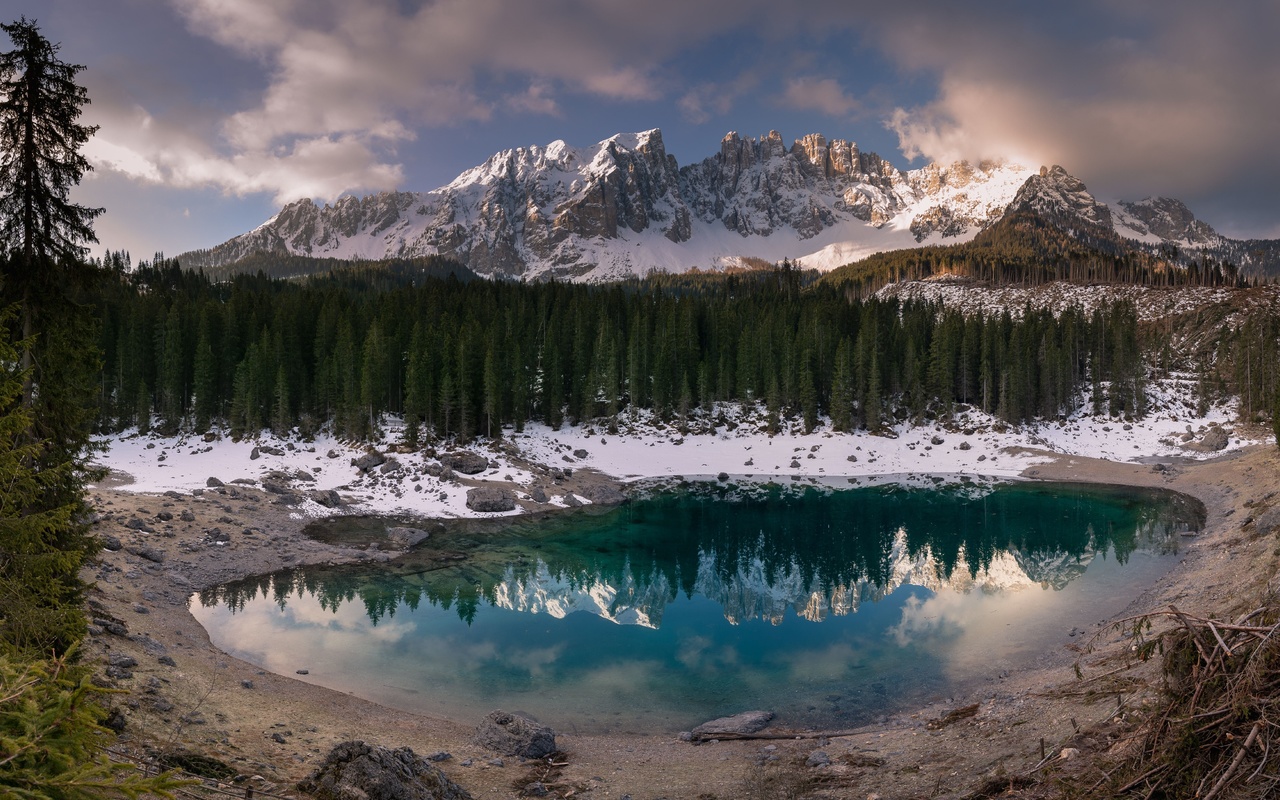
(972, 444)
(1151, 302)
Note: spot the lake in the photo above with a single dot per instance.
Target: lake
(829, 607)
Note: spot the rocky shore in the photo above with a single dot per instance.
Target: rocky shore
(272, 730)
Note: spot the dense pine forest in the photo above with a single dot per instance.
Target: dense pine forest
(461, 357)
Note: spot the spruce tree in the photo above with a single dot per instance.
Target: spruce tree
(41, 230)
(43, 272)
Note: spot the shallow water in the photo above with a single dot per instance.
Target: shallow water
(828, 607)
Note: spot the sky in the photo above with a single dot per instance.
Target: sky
(214, 113)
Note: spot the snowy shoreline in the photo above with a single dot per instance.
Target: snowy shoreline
(970, 444)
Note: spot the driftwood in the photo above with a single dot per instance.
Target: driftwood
(701, 738)
(1216, 734)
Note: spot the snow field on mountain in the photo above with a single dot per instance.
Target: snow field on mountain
(646, 449)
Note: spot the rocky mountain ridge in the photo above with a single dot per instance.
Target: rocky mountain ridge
(748, 591)
(624, 206)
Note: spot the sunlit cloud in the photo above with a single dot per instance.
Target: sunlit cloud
(825, 95)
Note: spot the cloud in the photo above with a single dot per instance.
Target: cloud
(707, 100)
(537, 99)
(1166, 96)
(346, 83)
(1146, 97)
(811, 93)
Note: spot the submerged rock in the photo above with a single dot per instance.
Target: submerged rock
(407, 537)
(358, 771)
(746, 722)
(515, 735)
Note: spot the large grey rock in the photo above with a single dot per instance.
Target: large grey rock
(746, 722)
(604, 495)
(515, 735)
(358, 771)
(490, 498)
(1268, 522)
(466, 462)
(327, 498)
(368, 461)
(1215, 439)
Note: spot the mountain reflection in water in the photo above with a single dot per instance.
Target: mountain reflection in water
(757, 551)
(700, 600)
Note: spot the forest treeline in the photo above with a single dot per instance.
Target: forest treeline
(466, 357)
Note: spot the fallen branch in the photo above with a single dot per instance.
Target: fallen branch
(700, 738)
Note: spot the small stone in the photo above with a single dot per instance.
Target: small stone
(818, 759)
(167, 661)
(246, 683)
(302, 672)
(440, 756)
(579, 453)
(277, 738)
(255, 454)
(213, 483)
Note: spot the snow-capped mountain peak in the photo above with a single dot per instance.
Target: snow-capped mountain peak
(624, 207)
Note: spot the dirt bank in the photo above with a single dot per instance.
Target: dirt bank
(183, 691)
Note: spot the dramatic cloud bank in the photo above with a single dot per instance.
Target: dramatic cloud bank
(1151, 96)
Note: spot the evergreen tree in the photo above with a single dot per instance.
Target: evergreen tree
(41, 230)
(43, 272)
(50, 727)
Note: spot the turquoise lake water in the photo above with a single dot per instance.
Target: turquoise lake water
(830, 608)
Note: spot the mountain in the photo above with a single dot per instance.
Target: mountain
(623, 207)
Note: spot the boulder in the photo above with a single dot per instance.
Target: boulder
(368, 461)
(466, 462)
(1214, 439)
(515, 735)
(537, 493)
(604, 495)
(359, 771)
(490, 498)
(149, 553)
(1268, 522)
(390, 466)
(746, 722)
(327, 498)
